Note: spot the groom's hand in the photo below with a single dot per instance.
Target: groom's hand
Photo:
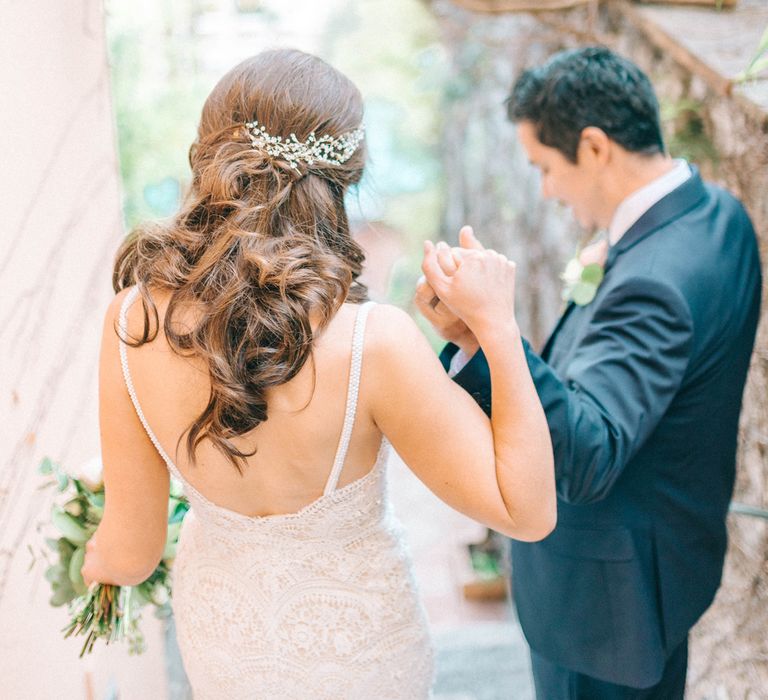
(449, 326)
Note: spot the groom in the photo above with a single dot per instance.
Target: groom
(641, 387)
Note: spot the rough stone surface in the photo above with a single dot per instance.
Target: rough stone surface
(729, 654)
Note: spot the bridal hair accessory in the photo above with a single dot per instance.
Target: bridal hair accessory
(325, 149)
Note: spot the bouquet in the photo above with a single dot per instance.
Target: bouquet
(101, 611)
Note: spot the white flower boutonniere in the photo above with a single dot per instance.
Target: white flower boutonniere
(584, 273)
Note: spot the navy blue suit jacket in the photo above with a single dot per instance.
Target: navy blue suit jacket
(642, 390)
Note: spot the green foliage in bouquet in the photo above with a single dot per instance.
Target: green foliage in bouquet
(102, 611)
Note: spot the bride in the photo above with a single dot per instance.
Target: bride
(240, 357)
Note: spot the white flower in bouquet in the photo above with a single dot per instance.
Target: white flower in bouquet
(91, 473)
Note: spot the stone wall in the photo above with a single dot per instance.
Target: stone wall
(728, 134)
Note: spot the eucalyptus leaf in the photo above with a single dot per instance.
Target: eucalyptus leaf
(64, 561)
(46, 466)
(592, 274)
(94, 515)
(69, 527)
(96, 499)
(74, 507)
(63, 480)
(62, 596)
(55, 573)
(75, 564)
(583, 293)
(65, 548)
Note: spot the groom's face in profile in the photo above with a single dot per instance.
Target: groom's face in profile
(572, 184)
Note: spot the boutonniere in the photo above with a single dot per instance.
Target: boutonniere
(584, 273)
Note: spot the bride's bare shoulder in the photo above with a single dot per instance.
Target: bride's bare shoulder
(386, 320)
(392, 332)
(136, 317)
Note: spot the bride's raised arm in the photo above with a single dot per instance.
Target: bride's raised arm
(499, 471)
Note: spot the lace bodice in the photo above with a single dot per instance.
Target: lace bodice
(318, 604)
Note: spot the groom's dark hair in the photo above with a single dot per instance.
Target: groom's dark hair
(590, 86)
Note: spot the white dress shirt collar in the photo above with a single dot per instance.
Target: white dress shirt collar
(640, 201)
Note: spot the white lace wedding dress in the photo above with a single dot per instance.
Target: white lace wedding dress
(317, 604)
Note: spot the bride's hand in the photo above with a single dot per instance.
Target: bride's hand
(477, 285)
(93, 568)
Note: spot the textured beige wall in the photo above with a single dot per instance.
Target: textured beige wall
(61, 225)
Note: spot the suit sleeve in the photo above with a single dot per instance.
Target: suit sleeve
(619, 383)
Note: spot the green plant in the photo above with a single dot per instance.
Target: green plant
(686, 131)
(759, 61)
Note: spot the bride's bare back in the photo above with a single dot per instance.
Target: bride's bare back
(315, 603)
(295, 446)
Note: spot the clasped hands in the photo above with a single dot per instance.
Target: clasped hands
(465, 291)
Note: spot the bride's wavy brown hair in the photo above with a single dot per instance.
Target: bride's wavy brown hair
(257, 246)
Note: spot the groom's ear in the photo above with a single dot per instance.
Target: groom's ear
(594, 147)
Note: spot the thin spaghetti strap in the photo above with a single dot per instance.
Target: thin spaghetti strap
(356, 364)
(129, 299)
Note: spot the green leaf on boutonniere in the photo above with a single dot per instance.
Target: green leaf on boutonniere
(583, 293)
(592, 274)
(581, 281)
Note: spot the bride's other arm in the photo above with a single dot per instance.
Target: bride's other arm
(499, 472)
(128, 544)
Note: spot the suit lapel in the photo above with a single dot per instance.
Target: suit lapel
(548, 345)
(673, 206)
